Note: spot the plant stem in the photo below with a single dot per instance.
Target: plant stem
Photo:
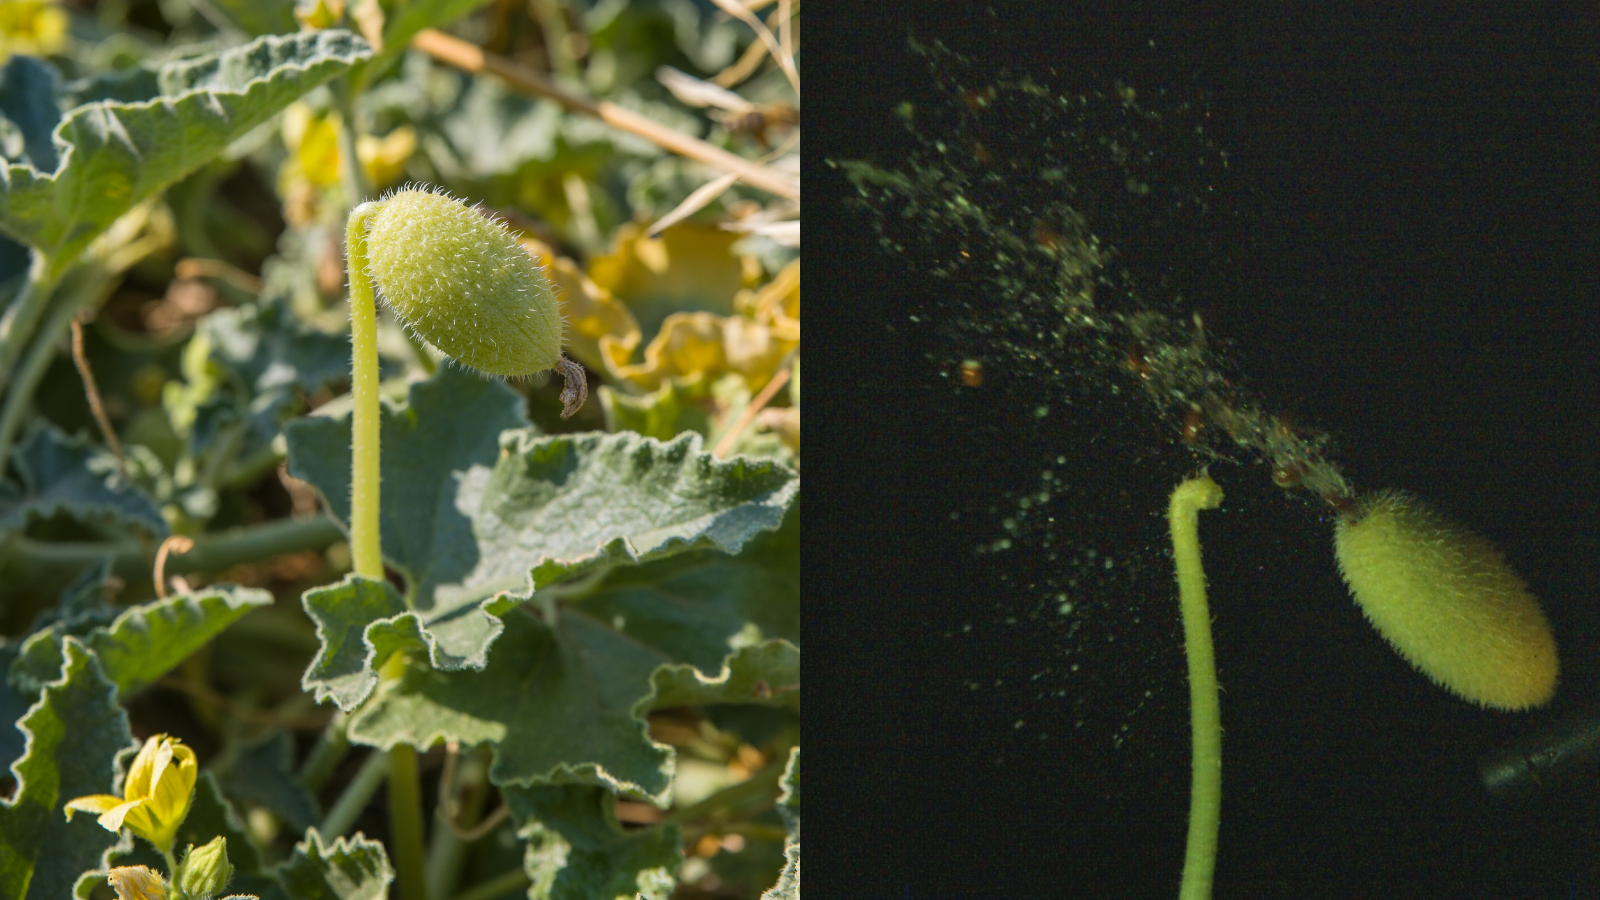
(355, 797)
(1205, 715)
(462, 797)
(33, 367)
(504, 883)
(405, 822)
(22, 316)
(25, 560)
(326, 755)
(365, 549)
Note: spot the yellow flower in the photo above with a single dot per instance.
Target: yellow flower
(384, 159)
(137, 883)
(31, 26)
(160, 786)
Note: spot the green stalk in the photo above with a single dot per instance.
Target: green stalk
(366, 549)
(1205, 714)
(355, 797)
(504, 883)
(22, 316)
(405, 822)
(327, 754)
(33, 367)
(25, 560)
(87, 286)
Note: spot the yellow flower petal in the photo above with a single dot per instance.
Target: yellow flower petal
(318, 152)
(95, 803)
(114, 818)
(174, 784)
(142, 769)
(384, 159)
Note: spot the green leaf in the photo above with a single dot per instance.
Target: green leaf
(273, 359)
(75, 733)
(345, 669)
(696, 607)
(352, 868)
(263, 775)
(574, 504)
(116, 154)
(72, 476)
(768, 673)
(467, 517)
(84, 598)
(210, 816)
(29, 104)
(788, 886)
(577, 851)
(144, 642)
(559, 710)
(13, 706)
(272, 352)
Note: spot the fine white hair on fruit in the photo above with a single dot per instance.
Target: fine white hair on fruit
(462, 282)
(1448, 602)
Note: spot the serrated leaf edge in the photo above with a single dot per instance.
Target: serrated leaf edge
(647, 703)
(67, 147)
(44, 509)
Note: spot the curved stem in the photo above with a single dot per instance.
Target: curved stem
(32, 370)
(1205, 714)
(22, 316)
(365, 548)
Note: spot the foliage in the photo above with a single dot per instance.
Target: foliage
(582, 617)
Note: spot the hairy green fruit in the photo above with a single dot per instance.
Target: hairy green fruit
(463, 283)
(1447, 600)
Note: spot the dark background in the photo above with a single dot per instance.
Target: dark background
(1417, 274)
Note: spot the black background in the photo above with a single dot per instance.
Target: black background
(1417, 273)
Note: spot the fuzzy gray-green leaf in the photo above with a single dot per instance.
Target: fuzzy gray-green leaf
(577, 850)
(116, 154)
(467, 516)
(72, 476)
(352, 868)
(788, 886)
(77, 730)
(28, 101)
(144, 642)
(561, 707)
